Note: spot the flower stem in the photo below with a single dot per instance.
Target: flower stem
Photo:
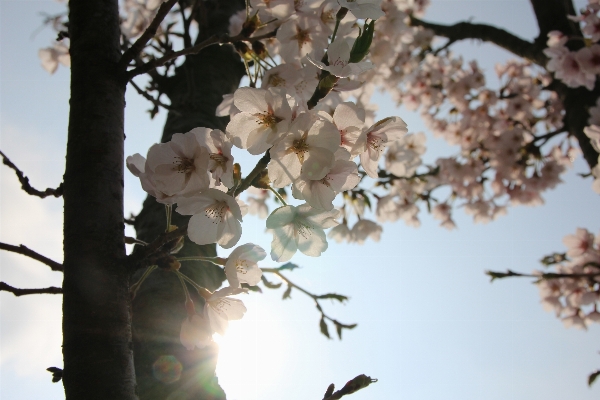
(135, 287)
(278, 196)
(215, 260)
(169, 212)
(186, 278)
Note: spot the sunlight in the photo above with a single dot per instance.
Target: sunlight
(252, 353)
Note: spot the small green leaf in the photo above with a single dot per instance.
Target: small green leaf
(290, 266)
(554, 258)
(362, 43)
(338, 328)
(269, 284)
(252, 288)
(334, 296)
(324, 328)
(287, 293)
(499, 275)
(593, 377)
(367, 201)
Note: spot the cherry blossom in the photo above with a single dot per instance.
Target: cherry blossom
(320, 193)
(52, 56)
(180, 165)
(216, 218)
(308, 147)
(137, 166)
(219, 308)
(363, 9)
(299, 228)
(377, 138)
(241, 265)
(301, 35)
(195, 333)
(220, 163)
(364, 229)
(264, 114)
(339, 65)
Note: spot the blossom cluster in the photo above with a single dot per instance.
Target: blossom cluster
(310, 147)
(580, 67)
(313, 67)
(574, 292)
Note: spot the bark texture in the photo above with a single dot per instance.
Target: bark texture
(97, 346)
(158, 309)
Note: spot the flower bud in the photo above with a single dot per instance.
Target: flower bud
(243, 49)
(251, 25)
(168, 263)
(259, 48)
(262, 180)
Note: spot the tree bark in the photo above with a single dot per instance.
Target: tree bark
(97, 346)
(158, 309)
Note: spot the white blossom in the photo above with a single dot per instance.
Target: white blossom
(299, 228)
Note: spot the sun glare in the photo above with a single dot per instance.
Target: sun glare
(251, 354)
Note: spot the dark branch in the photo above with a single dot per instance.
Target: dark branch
(148, 34)
(156, 102)
(487, 33)
(137, 258)
(158, 62)
(25, 182)
(32, 254)
(214, 39)
(552, 15)
(22, 292)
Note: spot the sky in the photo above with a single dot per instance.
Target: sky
(430, 324)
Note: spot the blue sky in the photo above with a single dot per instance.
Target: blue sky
(430, 325)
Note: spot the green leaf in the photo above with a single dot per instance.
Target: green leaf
(252, 288)
(593, 377)
(362, 43)
(286, 294)
(554, 258)
(338, 328)
(324, 328)
(499, 275)
(269, 284)
(334, 296)
(367, 201)
(290, 266)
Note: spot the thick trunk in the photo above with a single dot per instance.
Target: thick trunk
(97, 346)
(195, 91)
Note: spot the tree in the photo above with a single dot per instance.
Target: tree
(180, 126)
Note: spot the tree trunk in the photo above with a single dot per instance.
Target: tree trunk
(97, 346)
(165, 369)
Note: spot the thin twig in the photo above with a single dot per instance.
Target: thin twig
(154, 101)
(22, 292)
(549, 135)
(26, 251)
(148, 34)
(136, 259)
(546, 275)
(214, 39)
(25, 182)
(316, 298)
